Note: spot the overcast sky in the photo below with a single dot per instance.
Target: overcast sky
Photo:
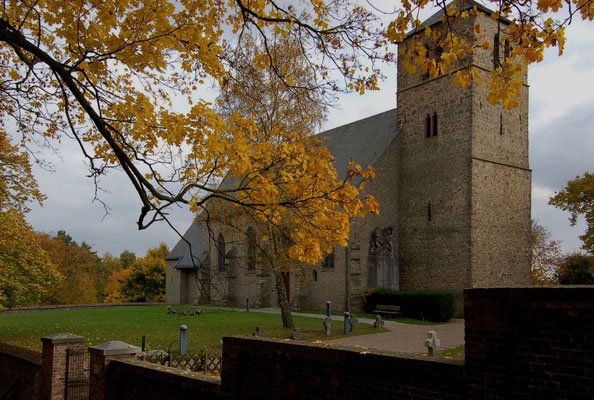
(561, 147)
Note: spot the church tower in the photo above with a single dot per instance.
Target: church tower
(464, 180)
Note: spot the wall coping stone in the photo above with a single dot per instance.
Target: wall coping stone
(59, 338)
(34, 357)
(114, 348)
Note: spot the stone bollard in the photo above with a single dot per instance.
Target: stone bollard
(183, 339)
(59, 350)
(328, 326)
(101, 355)
(247, 304)
(328, 308)
(347, 322)
(432, 344)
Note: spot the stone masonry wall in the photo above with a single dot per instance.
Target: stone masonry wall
(434, 186)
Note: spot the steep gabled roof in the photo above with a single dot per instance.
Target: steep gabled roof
(363, 141)
(196, 235)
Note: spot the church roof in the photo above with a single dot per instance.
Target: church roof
(182, 252)
(363, 141)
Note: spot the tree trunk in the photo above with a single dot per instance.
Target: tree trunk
(283, 301)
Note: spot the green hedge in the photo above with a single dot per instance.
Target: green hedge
(431, 305)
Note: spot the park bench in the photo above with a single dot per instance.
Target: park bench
(384, 309)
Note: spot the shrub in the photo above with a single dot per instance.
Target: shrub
(431, 305)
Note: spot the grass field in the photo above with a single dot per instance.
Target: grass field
(129, 324)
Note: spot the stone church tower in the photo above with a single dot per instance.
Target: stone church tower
(463, 174)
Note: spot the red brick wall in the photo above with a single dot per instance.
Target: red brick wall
(521, 343)
(266, 369)
(143, 381)
(530, 343)
(24, 365)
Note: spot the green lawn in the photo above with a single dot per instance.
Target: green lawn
(129, 324)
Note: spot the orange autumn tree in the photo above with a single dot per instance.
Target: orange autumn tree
(305, 208)
(77, 263)
(125, 80)
(524, 30)
(144, 280)
(26, 272)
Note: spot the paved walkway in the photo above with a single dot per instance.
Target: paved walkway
(402, 338)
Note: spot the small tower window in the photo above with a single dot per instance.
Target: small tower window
(251, 249)
(314, 275)
(221, 252)
(434, 124)
(506, 50)
(496, 62)
(428, 211)
(328, 261)
(428, 126)
(501, 124)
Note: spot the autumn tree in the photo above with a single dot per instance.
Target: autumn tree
(127, 258)
(546, 256)
(578, 199)
(112, 75)
(106, 266)
(142, 281)
(577, 269)
(78, 265)
(298, 172)
(26, 272)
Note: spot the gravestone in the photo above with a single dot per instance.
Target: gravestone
(259, 332)
(379, 322)
(353, 321)
(328, 325)
(432, 344)
(382, 264)
(297, 335)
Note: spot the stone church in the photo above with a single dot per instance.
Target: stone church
(453, 181)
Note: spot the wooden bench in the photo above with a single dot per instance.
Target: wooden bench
(384, 309)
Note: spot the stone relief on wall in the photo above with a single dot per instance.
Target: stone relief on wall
(383, 271)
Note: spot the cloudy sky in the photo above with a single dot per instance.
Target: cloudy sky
(561, 147)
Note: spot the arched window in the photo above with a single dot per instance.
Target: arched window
(251, 249)
(221, 252)
(428, 126)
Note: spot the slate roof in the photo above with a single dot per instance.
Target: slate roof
(196, 235)
(363, 141)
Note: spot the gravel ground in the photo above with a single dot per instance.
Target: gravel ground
(407, 338)
(402, 338)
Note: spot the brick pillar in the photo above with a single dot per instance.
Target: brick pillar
(53, 363)
(101, 355)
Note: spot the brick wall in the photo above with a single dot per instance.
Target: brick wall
(20, 369)
(530, 343)
(143, 381)
(521, 343)
(268, 369)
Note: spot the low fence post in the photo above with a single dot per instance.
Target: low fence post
(53, 363)
(101, 355)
